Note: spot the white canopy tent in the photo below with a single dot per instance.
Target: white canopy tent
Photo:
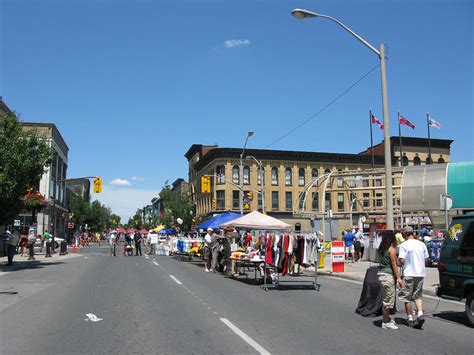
(257, 220)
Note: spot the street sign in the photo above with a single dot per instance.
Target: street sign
(337, 256)
(16, 223)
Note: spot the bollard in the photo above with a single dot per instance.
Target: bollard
(63, 248)
(74, 248)
(321, 260)
(48, 250)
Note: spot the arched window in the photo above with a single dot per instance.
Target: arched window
(405, 160)
(314, 173)
(220, 172)
(235, 174)
(429, 161)
(246, 175)
(440, 160)
(416, 161)
(301, 177)
(274, 176)
(288, 178)
(327, 171)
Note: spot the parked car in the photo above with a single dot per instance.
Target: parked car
(456, 263)
(40, 243)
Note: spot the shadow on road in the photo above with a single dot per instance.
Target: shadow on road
(30, 265)
(8, 293)
(452, 316)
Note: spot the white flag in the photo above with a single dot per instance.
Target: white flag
(433, 123)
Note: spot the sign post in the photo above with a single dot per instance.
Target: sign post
(337, 256)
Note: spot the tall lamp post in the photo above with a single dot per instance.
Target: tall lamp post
(301, 14)
(241, 174)
(262, 189)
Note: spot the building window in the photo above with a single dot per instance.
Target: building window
(440, 160)
(274, 176)
(314, 173)
(260, 205)
(405, 160)
(297, 227)
(235, 199)
(327, 201)
(352, 181)
(340, 182)
(260, 175)
(378, 182)
(288, 179)
(315, 201)
(340, 202)
(288, 201)
(274, 200)
(220, 172)
(353, 200)
(365, 182)
(429, 161)
(378, 200)
(301, 204)
(416, 161)
(366, 198)
(220, 197)
(246, 175)
(327, 171)
(301, 177)
(235, 174)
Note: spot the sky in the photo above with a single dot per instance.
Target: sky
(131, 85)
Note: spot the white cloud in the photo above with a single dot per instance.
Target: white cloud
(125, 201)
(120, 182)
(137, 178)
(230, 43)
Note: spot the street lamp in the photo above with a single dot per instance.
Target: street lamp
(262, 192)
(301, 14)
(241, 174)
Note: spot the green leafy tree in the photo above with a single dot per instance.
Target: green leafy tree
(24, 157)
(95, 215)
(177, 205)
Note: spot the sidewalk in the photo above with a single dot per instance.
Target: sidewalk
(20, 263)
(356, 271)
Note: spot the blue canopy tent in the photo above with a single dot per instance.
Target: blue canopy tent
(215, 222)
(167, 230)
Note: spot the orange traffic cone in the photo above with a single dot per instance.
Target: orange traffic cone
(74, 248)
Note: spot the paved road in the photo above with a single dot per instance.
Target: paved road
(160, 305)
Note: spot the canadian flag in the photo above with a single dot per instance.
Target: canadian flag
(404, 121)
(376, 121)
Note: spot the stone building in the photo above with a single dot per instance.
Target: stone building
(288, 192)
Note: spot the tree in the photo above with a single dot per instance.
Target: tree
(177, 205)
(24, 157)
(95, 215)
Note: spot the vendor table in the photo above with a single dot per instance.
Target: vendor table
(246, 263)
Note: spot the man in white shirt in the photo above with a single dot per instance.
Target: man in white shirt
(207, 249)
(413, 256)
(113, 243)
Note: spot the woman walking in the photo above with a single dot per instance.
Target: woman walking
(387, 275)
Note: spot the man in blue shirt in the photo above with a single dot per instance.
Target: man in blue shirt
(349, 244)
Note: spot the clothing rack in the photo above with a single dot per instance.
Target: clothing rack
(287, 239)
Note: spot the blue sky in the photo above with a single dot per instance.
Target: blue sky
(132, 84)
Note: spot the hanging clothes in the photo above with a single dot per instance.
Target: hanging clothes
(269, 250)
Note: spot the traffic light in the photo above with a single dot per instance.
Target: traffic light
(250, 195)
(214, 203)
(97, 185)
(205, 184)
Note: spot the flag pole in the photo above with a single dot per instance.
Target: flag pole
(429, 137)
(371, 138)
(400, 138)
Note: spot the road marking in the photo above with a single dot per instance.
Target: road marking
(156, 263)
(176, 280)
(215, 313)
(244, 336)
(92, 317)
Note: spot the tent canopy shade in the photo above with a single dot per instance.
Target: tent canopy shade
(257, 220)
(216, 221)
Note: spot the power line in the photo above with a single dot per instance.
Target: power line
(324, 107)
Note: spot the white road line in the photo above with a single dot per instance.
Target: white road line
(215, 313)
(245, 337)
(156, 263)
(176, 280)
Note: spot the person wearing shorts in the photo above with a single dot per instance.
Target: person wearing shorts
(349, 245)
(413, 255)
